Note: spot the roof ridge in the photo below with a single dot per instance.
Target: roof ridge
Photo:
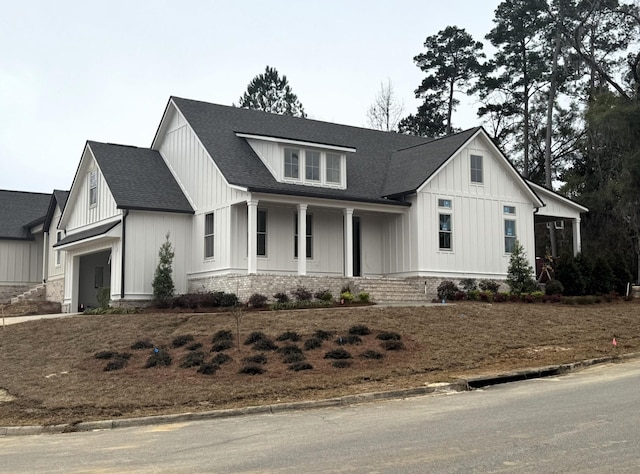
(24, 192)
(390, 132)
(440, 138)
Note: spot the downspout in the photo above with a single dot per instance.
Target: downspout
(124, 247)
(45, 256)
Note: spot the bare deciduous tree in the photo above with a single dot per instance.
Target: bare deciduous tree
(386, 111)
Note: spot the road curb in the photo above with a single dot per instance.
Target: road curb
(457, 386)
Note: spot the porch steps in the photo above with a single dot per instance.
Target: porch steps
(37, 293)
(392, 290)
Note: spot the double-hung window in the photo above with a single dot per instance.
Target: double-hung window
(58, 252)
(476, 169)
(312, 165)
(445, 231)
(208, 235)
(262, 233)
(292, 163)
(309, 237)
(93, 188)
(509, 229)
(509, 235)
(333, 168)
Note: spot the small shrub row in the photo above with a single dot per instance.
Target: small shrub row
(203, 300)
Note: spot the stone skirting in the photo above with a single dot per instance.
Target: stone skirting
(55, 290)
(266, 284)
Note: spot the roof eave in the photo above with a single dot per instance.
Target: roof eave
(331, 197)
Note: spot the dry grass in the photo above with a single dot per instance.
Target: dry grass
(49, 369)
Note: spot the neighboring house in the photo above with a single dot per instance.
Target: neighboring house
(243, 193)
(21, 241)
(257, 202)
(54, 259)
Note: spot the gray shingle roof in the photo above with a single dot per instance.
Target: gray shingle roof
(17, 210)
(216, 127)
(139, 179)
(58, 199)
(411, 167)
(86, 234)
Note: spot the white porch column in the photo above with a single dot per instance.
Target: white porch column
(577, 242)
(252, 236)
(348, 242)
(302, 239)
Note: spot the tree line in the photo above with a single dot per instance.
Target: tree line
(560, 96)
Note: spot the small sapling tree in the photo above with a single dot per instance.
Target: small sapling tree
(520, 274)
(163, 287)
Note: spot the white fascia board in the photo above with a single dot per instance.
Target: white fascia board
(287, 141)
(553, 195)
(328, 203)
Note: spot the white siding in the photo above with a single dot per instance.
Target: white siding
(81, 213)
(270, 153)
(478, 247)
(145, 233)
(54, 270)
(20, 261)
(208, 191)
(371, 240)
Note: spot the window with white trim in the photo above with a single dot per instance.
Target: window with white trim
(509, 209)
(333, 167)
(58, 252)
(312, 165)
(93, 188)
(509, 235)
(309, 232)
(446, 203)
(291, 163)
(209, 235)
(444, 232)
(476, 169)
(262, 233)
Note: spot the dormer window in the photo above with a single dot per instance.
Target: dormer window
(312, 165)
(333, 168)
(291, 163)
(302, 162)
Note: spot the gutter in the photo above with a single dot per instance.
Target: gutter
(124, 247)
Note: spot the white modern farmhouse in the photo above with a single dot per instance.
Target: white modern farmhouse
(257, 202)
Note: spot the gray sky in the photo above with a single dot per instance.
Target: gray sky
(104, 70)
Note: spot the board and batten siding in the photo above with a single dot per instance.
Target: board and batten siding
(20, 261)
(54, 270)
(270, 153)
(83, 214)
(146, 232)
(206, 188)
(477, 211)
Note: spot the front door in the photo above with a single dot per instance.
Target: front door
(357, 271)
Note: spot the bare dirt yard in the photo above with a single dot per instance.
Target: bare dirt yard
(49, 372)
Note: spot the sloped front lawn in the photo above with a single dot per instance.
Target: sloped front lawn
(93, 367)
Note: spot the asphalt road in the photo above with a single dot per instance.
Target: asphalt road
(588, 421)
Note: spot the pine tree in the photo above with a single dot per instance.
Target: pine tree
(520, 274)
(450, 62)
(163, 287)
(271, 93)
